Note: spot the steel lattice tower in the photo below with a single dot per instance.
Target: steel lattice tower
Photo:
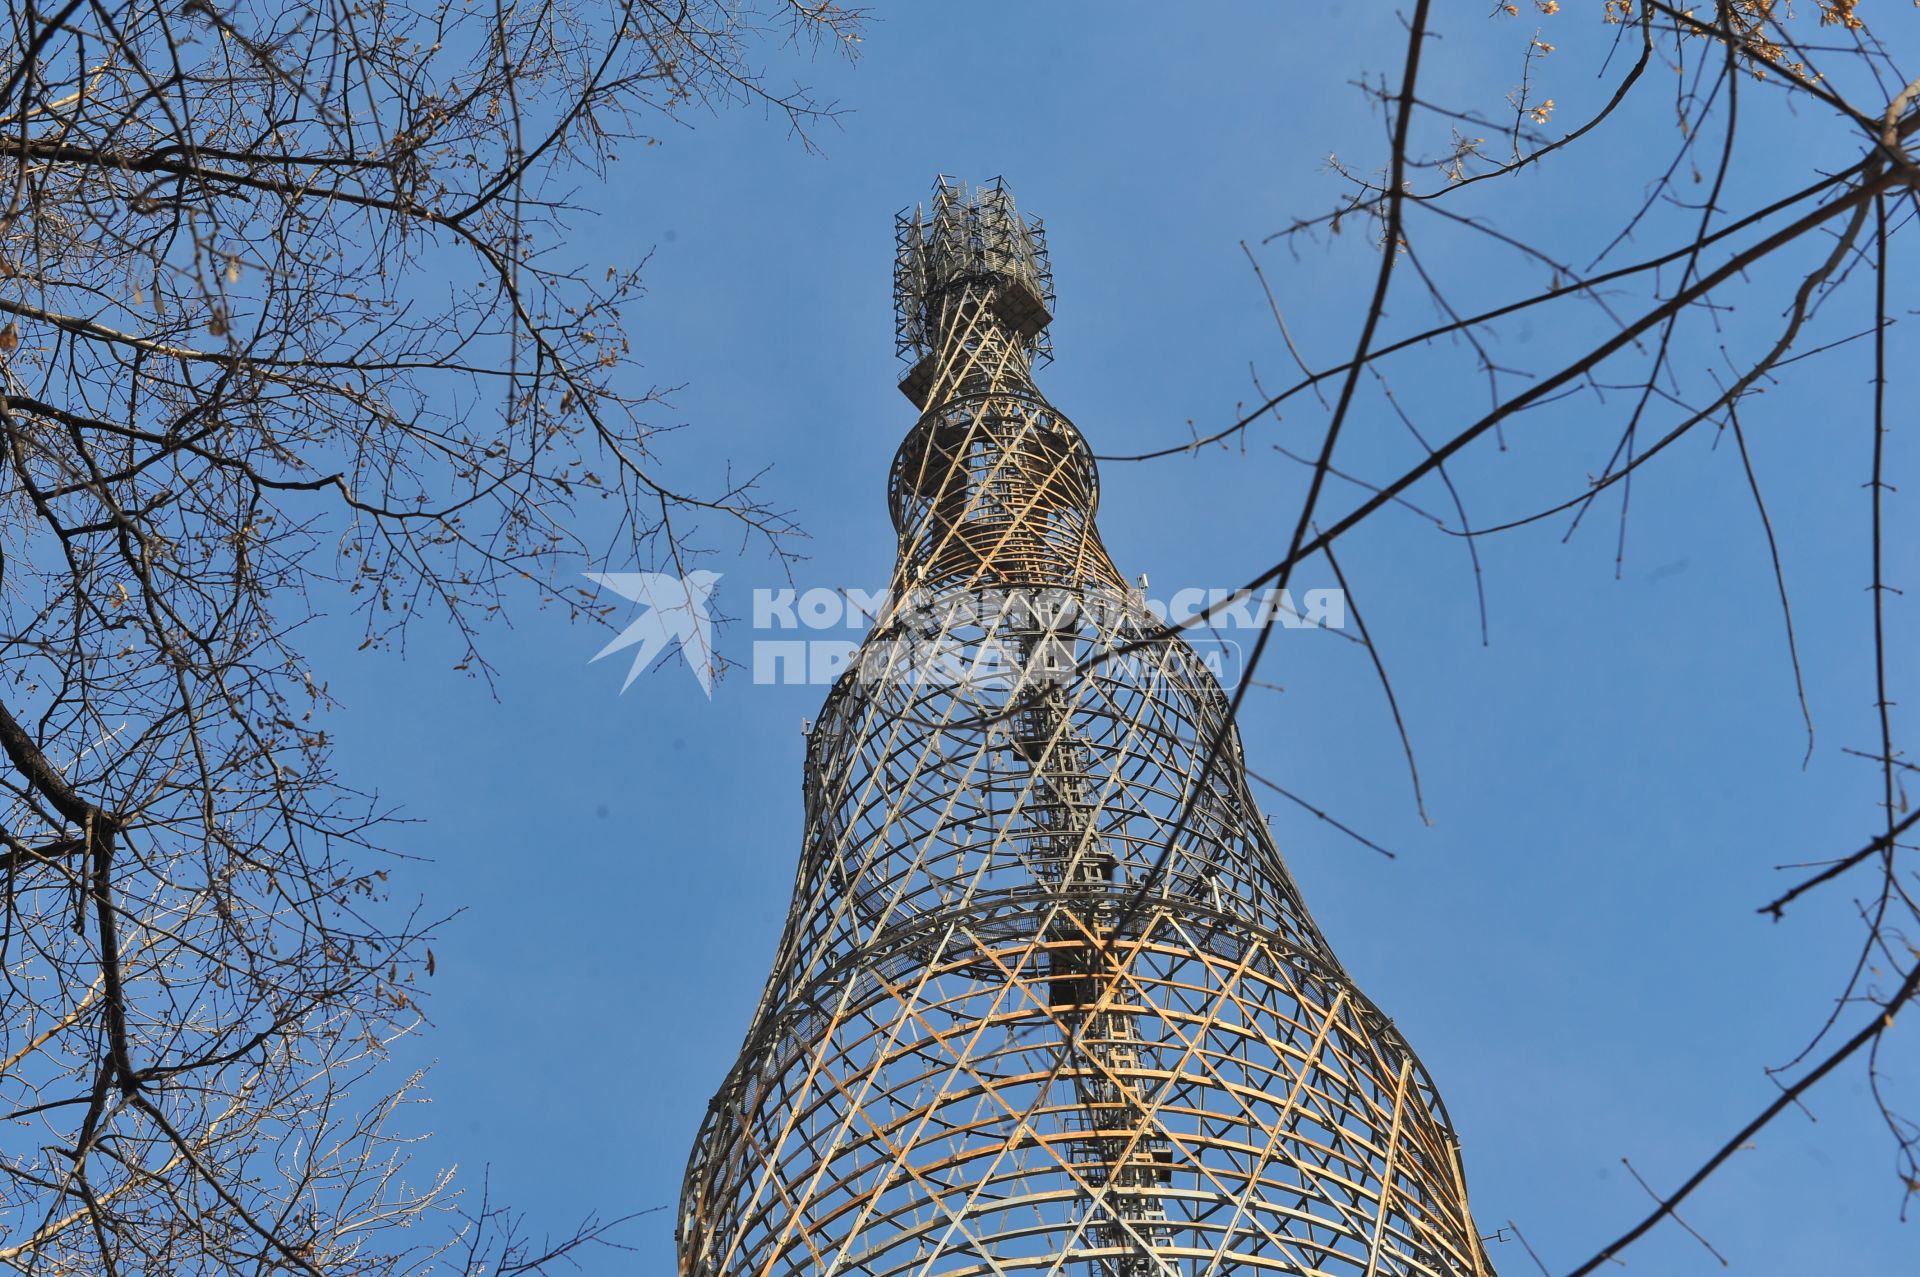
(1047, 999)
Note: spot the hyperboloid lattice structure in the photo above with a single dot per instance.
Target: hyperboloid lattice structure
(1047, 1000)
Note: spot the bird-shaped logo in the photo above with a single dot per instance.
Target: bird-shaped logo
(676, 612)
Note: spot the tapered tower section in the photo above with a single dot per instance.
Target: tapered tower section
(1047, 1000)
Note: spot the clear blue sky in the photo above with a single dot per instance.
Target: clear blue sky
(1572, 945)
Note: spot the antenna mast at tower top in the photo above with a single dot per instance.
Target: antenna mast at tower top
(965, 256)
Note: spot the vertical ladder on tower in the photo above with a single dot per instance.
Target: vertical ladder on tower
(1124, 1164)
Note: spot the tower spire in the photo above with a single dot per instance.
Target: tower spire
(993, 486)
(1047, 998)
(972, 291)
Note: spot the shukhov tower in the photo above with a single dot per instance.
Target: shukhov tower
(1047, 1000)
